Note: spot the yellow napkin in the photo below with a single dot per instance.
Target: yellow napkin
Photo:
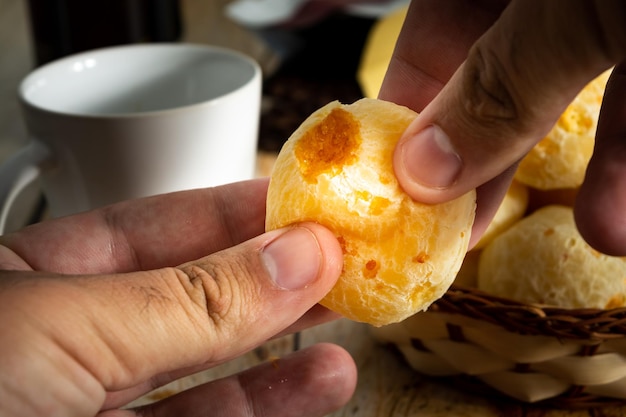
(377, 51)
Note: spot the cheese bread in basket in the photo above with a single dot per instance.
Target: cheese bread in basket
(535, 313)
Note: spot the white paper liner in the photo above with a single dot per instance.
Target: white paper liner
(615, 389)
(585, 370)
(426, 362)
(529, 387)
(525, 367)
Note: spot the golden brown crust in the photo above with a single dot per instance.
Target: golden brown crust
(543, 259)
(560, 159)
(399, 255)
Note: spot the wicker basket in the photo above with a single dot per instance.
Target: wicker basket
(531, 353)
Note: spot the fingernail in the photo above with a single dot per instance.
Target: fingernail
(430, 159)
(293, 260)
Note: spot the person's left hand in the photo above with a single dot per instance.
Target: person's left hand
(99, 308)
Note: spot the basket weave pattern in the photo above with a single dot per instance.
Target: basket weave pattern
(531, 353)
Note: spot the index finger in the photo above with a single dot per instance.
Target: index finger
(432, 44)
(147, 233)
(516, 81)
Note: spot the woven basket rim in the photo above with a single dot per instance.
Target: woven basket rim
(585, 324)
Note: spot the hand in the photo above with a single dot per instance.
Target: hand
(99, 308)
(490, 81)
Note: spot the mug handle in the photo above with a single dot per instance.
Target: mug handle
(16, 173)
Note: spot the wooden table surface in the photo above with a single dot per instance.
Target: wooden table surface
(387, 386)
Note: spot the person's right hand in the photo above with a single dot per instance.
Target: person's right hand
(490, 80)
(98, 308)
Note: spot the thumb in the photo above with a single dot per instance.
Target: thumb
(516, 81)
(137, 325)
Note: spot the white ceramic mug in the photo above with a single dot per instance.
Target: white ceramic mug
(132, 121)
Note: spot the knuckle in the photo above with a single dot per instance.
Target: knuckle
(222, 293)
(487, 88)
(496, 101)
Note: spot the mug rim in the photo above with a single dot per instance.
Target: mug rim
(31, 77)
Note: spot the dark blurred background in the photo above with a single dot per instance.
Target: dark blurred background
(319, 67)
(305, 66)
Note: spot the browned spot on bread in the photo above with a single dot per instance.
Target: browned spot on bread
(329, 145)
